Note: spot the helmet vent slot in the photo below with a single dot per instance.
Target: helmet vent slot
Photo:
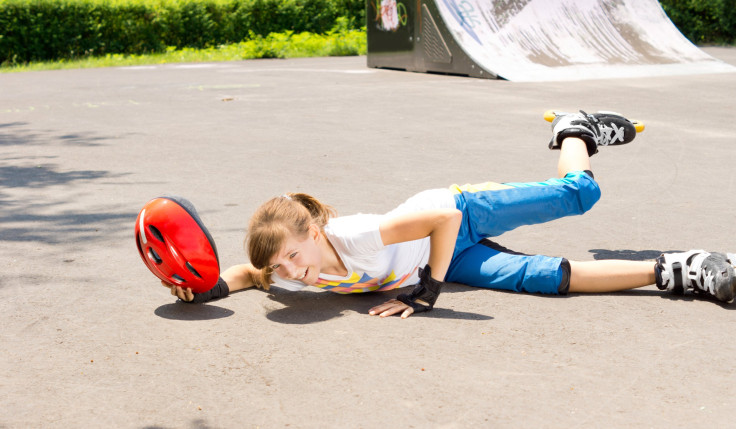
(178, 278)
(153, 255)
(156, 233)
(192, 270)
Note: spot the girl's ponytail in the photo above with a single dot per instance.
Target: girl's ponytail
(320, 213)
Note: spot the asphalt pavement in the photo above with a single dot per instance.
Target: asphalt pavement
(90, 338)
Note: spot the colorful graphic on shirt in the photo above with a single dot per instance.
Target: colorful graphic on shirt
(364, 283)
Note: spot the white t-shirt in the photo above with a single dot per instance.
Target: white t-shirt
(372, 266)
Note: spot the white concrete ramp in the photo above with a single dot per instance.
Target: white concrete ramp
(533, 40)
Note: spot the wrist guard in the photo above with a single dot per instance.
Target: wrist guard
(425, 293)
(220, 290)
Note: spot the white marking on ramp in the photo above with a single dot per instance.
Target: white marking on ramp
(543, 40)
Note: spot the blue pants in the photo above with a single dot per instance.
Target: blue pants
(491, 209)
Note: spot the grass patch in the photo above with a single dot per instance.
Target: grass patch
(276, 45)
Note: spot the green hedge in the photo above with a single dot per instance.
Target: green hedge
(41, 30)
(704, 21)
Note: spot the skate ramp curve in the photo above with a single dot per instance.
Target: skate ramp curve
(532, 40)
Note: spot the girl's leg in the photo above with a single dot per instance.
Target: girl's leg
(490, 209)
(489, 265)
(573, 157)
(711, 274)
(492, 266)
(610, 275)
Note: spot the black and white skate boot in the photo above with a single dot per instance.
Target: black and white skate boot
(597, 129)
(709, 273)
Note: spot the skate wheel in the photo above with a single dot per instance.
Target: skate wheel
(550, 115)
(638, 125)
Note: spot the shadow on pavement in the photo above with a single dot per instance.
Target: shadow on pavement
(302, 308)
(628, 255)
(13, 135)
(42, 218)
(192, 312)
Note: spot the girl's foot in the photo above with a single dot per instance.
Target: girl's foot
(709, 273)
(597, 129)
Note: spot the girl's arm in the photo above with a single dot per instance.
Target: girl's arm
(440, 225)
(237, 277)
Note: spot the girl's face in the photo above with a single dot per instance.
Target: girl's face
(300, 258)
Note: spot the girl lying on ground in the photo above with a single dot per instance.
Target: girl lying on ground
(444, 235)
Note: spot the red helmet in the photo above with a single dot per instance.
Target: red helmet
(175, 245)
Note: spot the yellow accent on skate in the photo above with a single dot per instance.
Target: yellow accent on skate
(550, 115)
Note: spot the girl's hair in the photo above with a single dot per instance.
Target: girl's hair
(289, 215)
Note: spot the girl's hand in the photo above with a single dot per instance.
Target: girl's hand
(183, 294)
(389, 308)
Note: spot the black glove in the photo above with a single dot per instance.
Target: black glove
(424, 295)
(220, 290)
